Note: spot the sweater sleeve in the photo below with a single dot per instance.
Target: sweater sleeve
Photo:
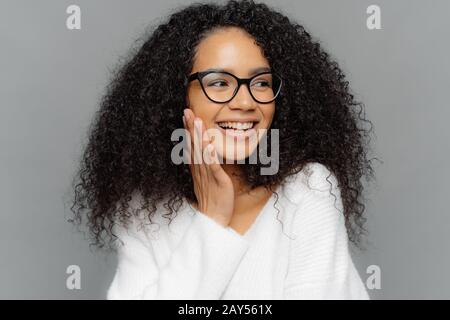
(320, 265)
(200, 267)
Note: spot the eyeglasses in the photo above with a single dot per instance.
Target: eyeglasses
(222, 87)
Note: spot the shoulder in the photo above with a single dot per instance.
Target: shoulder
(150, 227)
(314, 179)
(316, 198)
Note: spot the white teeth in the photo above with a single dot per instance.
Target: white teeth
(236, 125)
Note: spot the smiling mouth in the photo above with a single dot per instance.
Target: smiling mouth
(238, 130)
(237, 126)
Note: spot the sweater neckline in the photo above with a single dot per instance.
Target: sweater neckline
(259, 217)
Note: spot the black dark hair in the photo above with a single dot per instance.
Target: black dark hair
(129, 145)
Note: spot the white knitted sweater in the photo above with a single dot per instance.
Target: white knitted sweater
(305, 256)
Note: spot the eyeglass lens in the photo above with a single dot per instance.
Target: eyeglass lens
(220, 87)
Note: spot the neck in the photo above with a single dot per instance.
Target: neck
(245, 199)
(234, 172)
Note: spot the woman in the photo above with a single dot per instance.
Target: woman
(214, 227)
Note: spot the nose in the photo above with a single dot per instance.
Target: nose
(243, 99)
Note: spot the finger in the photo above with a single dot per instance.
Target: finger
(200, 147)
(188, 156)
(215, 167)
(205, 140)
(201, 133)
(188, 122)
(202, 139)
(208, 156)
(190, 118)
(198, 143)
(205, 151)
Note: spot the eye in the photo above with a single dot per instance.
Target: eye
(262, 84)
(217, 83)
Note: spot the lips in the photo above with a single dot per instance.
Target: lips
(237, 125)
(238, 134)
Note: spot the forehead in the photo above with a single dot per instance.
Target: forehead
(231, 49)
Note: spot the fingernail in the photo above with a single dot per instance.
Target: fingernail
(184, 121)
(186, 113)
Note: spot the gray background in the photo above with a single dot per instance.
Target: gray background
(52, 78)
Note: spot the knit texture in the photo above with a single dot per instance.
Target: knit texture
(297, 248)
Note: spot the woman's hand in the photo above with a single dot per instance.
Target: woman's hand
(212, 185)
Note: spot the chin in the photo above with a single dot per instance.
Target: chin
(239, 153)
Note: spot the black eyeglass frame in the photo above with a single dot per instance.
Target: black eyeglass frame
(201, 74)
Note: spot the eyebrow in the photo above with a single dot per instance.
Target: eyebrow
(252, 71)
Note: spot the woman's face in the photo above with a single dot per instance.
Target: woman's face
(232, 50)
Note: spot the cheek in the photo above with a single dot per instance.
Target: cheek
(204, 111)
(199, 106)
(268, 116)
(196, 100)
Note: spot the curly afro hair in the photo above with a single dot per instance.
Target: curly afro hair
(129, 143)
